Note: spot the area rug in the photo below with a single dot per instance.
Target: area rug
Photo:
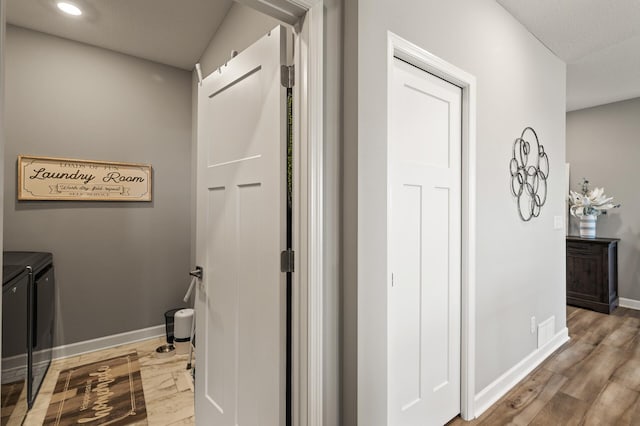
(107, 392)
(13, 403)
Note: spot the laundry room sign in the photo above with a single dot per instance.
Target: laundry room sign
(47, 178)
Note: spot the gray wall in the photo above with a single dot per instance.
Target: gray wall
(520, 266)
(602, 145)
(119, 266)
(240, 29)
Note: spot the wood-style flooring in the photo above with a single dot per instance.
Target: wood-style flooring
(168, 390)
(594, 379)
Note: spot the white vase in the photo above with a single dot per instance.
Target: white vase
(588, 226)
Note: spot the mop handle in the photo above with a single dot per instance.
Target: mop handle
(193, 283)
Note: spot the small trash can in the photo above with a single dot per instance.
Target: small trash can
(169, 320)
(183, 321)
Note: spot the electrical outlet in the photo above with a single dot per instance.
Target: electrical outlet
(558, 222)
(533, 325)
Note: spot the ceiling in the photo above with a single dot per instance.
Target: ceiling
(598, 39)
(172, 32)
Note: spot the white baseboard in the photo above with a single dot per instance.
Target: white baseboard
(629, 303)
(106, 342)
(503, 384)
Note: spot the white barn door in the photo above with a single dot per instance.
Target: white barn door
(425, 247)
(240, 305)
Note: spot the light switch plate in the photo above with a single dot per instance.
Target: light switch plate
(558, 222)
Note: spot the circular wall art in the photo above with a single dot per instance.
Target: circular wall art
(529, 181)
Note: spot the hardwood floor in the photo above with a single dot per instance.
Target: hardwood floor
(168, 390)
(594, 379)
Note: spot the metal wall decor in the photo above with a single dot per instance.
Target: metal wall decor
(529, 181)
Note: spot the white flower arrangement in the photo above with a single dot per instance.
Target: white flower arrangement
(591, 202)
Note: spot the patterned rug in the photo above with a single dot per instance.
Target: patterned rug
(106, 392)
(13, 403)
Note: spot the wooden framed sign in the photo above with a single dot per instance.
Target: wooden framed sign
(47, 178)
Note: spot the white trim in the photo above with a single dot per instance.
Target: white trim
(303, 4)
(288, 11)
(300, 228)
(79, 348)
(19, 362)
(623, 302)
(468, 358)
(308, 342)
(315, 284)
(299, 292)
(308, 298)
(100, 343)
(419, 57)
(14, 362)
(503, 384)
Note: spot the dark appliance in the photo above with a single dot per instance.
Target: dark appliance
(40, 314)
(15, 289)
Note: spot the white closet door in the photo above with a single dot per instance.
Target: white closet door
(425, 248)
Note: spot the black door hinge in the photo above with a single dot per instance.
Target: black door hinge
(287, 261)
(287, 75)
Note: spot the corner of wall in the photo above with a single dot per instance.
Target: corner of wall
(349, 225)
(193, 162)
(2, 136)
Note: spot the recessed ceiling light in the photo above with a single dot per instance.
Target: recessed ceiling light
(69, 9)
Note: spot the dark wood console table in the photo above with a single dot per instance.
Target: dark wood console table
(592, 273)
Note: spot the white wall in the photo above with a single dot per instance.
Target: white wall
(602, 145)
(520, 266)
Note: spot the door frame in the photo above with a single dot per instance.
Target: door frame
(3, 19)
(308, 364)
(415, 55)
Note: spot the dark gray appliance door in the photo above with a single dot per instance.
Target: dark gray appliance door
(42, 334)
(14, 351)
